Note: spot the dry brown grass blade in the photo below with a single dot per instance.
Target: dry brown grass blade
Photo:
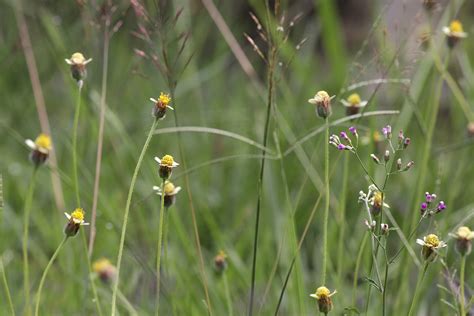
(39, 102)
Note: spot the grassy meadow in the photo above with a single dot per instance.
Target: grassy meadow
(288, 184)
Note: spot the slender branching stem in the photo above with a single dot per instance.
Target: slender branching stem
(127, 210)
(357, 267)
(7, 288)
(421, 276)
(462, 298)
(74, 146)
(159, 248)
(45, 273)
(26, 225)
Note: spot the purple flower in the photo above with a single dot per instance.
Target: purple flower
(424, 206)
(344, 136)
(341, 147)
(441, 206)
(428, 197)
(353, 130)
(387, 131)
(406, 142)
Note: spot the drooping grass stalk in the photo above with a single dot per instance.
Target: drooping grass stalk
(230, 310)
(77, 112)
(421, 276)
(91, 278)
(462, 305)
(45, 272)
(127, 210)
(102, 105)
(159, 248)
(26, 224)
(7, 288)
(127, 303)
(271, 79)
(357, 266)
(326, 204)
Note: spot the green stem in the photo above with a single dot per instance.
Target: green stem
(74, 146)
(385, 281)
(91, 279)
(461, 286)
(356, 271)
(160, 245)
(45, 272)
(26, 224)
(165, 238)
(326, 205)
(227, 295)
(127, 303)
(125, 215)
(417, 288)
(342, 204)
(7, 288)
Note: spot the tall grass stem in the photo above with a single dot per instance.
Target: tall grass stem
(461, 286)
(7, 288)
(326, 205)
(77, 113)
(421, 276)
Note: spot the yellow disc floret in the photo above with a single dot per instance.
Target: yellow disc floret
(464, 233)
(432, 241)
(456, 27)
(43, 141)
(322, 292)
(167, 160)
(323, 95)
(378, 199)
(78, 215)
(77, 58)
(354, 99)
(169, 188)
(101, 265)
(164, 99)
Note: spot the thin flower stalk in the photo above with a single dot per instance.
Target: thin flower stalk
(421, 276)
(462, 297)
(74, 146)
(159, 248)
(45, 273)
(7, 288)
(326, 205)
(228, 299)
(126, 213)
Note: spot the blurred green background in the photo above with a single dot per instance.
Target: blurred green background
(345, 43)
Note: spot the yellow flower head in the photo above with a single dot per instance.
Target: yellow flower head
(167, 160)
(164, 99)
(377, 199)
(464, 232)
(78, 215)
(43, 141)
(322, 292)
(101, 265)
(169, 188)
(432, 241)
(456, 27)
(354, 99)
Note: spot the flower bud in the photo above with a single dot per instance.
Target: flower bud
(78, 67)
(406, 142)
(384, 229)
(322, 100)
(463, 238)
(399, 164)
(375, 159)
(106, 271)
(386, 156)
(220, 262)
(323, 296)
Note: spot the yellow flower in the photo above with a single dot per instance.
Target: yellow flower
(170, 192)
(376, 202)
(220, 261)
(161, 105)
(167, 164)
(323, 296)
(454, 32)
(104, 269)
(431, 244)
(78, 59)
(75, 221)
(41, 144)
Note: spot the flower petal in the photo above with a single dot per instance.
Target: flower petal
(30, 144)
